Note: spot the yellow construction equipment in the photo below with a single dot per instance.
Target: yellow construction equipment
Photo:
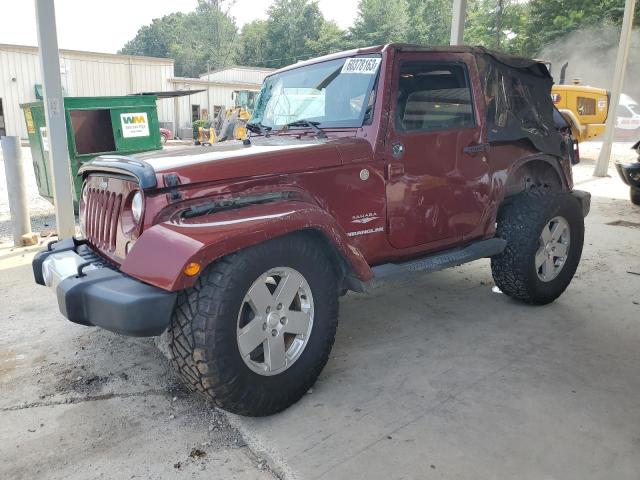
(230, 123)
(584, 108)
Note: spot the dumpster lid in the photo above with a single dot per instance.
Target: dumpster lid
(171, 93)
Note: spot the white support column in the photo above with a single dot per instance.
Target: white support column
(17, 192)
(56, 123)
(459, 14)
(602, 166)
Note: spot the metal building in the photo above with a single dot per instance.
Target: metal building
(98, 74)
(219, 87)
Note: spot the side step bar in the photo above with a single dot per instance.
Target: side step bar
(442, 260)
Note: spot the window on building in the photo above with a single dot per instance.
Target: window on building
(434, 96)
(586, 106)
(195, 113)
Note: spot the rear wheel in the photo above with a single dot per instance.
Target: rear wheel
(544, 233)
(255, 332)
(634, 194)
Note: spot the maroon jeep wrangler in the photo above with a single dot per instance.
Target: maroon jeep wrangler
(362, 164)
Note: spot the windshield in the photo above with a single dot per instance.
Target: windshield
(634, 108)
(337, 93)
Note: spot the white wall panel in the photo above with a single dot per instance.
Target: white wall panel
(95, 74)
(83, 74)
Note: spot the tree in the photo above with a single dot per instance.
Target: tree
(380, 21)
(253, 44)
(291, 26)
(551, 19)
(331, 39)
(430, 22)
(497, 24)
(207, 34)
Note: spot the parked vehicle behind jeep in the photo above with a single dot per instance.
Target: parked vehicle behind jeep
(630, 174)
(362, 164)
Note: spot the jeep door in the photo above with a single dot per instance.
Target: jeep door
(438, 179)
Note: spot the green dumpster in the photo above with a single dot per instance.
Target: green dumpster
(95, 126)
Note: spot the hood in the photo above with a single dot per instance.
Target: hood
(265, 156)
(228, 160)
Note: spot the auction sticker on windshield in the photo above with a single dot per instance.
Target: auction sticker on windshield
(367, 66)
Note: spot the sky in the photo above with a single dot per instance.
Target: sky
(106, 25)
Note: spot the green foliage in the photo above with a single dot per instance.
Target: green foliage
(253, 44)
(497, 24)
(381, 21)
(552, 19)
(296, 29)
(430, 22)
(331, 39)
(292, 24)
(192, 39)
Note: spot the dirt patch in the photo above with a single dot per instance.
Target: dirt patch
(197, 453)
(624, 223)
(83, 384)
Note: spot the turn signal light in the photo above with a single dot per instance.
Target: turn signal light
(192, 269)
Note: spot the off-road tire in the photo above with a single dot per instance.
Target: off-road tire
(634, 195)
(520, 222)
(202, 336)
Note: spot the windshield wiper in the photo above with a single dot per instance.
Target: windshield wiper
(301, 122)
(257, 127)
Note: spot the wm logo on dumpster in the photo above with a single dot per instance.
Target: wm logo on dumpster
(136, 119)
(134, 124)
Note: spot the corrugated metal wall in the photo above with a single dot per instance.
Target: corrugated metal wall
(252, 75)
(83, 74)
(218, 95)
(97, 74)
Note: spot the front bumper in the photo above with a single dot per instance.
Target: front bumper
(585, 200)
(629, 173)
(91, 293)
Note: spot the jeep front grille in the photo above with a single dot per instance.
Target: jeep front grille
(102, 212)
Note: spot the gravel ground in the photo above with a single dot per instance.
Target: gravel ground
(42, 212)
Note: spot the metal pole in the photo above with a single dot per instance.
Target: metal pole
(459, 14)
(56, 123)
(499, 14)
(602, 166)
(17, 192)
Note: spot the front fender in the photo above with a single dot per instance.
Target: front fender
(162, 252)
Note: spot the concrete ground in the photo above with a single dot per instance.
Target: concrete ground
(80, 403)
(431, 376)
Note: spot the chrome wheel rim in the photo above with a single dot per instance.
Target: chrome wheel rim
(275, 321)
(553, 249)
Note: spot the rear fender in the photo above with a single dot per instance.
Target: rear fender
(162, 252)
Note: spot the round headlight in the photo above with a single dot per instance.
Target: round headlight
(136, 207)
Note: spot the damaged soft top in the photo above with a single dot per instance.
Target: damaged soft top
(518, 97)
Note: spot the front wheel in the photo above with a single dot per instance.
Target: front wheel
(255, 332)
(544, 234)
(634, 194)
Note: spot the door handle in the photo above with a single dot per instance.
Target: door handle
(476, 148)
(394, 170)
